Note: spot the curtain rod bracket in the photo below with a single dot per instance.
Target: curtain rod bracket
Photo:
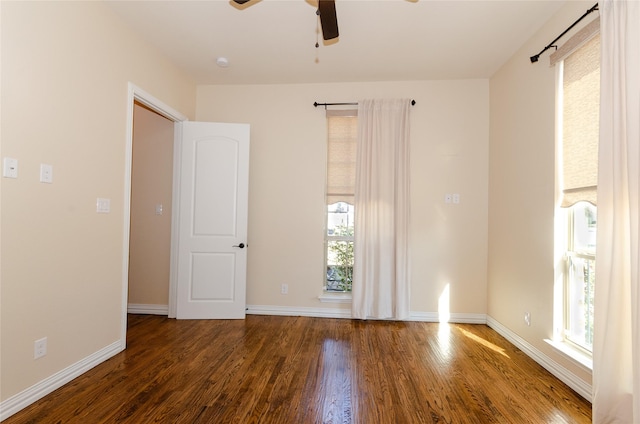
(535, 58)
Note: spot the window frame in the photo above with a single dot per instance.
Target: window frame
(565, 250)
(570, 253)
(329, 294)
(335, 238)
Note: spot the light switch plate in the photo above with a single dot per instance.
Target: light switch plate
(103, 205)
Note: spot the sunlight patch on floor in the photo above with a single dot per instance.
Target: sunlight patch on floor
(484, 342)
(444, 340)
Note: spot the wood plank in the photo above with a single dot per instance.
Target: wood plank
(270, 369)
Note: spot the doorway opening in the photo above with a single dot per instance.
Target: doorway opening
(141, 101)
(150, 224)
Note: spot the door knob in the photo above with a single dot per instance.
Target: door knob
(241, 245)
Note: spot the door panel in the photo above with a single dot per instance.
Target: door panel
(216, 159)
(204, 266)
(213, 210)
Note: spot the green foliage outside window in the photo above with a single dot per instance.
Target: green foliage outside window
(341, 251)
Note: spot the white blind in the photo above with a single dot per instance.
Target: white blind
(342, 128)
(580, 123)
(576, 41)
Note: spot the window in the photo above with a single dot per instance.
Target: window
(341, 175)
(580, 101)
(580, 276)
(339, 254)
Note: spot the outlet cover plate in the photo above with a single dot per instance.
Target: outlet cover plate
(40, 348)
(46, 173)
(10, 168)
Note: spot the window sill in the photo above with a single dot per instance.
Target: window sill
(566, 349)
(335, 297)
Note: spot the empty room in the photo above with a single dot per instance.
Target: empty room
(333, 211)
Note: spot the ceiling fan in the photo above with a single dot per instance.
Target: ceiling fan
(328, 18)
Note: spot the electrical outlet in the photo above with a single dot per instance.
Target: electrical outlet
(40, 348)
(284, 289)
(46, 173)
(527, 318)
(10, 168)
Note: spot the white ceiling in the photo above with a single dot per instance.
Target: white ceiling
(273, 41)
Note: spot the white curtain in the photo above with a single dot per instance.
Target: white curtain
(616, 348)
(381, 252)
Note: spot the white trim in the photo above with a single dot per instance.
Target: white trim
(141, 308)
(301, 311)
(156, 105)
(298, 311)
(335, 297)
(39, 390)
(175, 222)
(585, 361)
(581, 387)
(458, 318)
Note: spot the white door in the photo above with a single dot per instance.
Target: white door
(213, 208)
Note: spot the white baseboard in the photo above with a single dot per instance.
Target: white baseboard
(299, 311)
(581, 387)
(39, 390)
(141, 308)
(453, 317)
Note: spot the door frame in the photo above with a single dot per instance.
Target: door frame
(135, 93)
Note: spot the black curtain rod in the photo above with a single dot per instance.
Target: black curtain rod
(316, 104)
(535, 58)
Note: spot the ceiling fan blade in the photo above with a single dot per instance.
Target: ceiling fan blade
(328, 19)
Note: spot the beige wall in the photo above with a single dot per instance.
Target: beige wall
(449, 154)
(151, 185)
(522, 193)
(65, 69)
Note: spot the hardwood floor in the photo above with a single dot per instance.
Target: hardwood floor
(270, 369)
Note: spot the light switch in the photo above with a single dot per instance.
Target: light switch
(46, 173)
(159, 209)
(447, 198)
(103, 205)
(10, 168)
